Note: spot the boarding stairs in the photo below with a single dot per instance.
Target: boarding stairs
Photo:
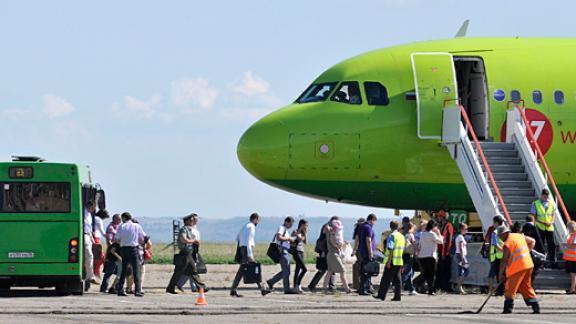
(502, 178)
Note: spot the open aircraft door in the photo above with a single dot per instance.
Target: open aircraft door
(435, 82)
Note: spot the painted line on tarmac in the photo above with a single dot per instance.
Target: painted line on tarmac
(483, 318)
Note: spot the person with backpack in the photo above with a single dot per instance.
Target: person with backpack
(322, 249)
(283, 240)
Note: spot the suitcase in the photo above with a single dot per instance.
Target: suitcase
(252, 273)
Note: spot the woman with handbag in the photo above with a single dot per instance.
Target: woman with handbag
(333, 257)
(300, 236)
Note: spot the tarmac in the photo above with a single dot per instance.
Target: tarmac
(44, 306)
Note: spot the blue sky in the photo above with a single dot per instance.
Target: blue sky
(155, 95)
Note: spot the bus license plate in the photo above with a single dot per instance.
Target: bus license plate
(20, 255)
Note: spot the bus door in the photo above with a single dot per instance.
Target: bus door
(435, 83)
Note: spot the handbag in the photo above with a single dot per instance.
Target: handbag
(321, 264)
(274, 250)
(371, 268)
(200, 265)
(252, 272)
(147, 255)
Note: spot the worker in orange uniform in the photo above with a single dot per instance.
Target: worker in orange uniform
(516, 269)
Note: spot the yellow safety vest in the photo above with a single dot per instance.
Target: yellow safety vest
(544, 215)
(494, 252)
(399, 244)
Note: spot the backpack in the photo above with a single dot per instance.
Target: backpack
(321, 242)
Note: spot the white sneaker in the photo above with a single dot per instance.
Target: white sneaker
(413, 293)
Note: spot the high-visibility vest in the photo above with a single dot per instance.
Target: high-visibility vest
(496, 254)
(519, 258)
(570, 253)
(399, 244)
(544, 215)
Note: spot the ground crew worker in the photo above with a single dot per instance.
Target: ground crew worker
(516, 268)
(393, 263)
(495, 254)
(543, 211)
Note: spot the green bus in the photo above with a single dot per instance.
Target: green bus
(41, 223)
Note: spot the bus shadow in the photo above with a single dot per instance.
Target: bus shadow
(29, 293)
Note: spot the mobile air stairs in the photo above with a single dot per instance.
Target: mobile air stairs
(501, 178)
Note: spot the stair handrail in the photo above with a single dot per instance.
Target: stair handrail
(488, 170)
(540, 157)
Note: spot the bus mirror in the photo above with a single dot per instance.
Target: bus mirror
(101, 199)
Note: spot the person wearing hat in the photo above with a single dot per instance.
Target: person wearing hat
(188, 242)
(543, 210)
(516, 268)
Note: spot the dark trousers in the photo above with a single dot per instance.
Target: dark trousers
(391, 275)
(109, 270)
(240, 273)
(130, 256)
(186, 266)
(548, 238)
(364, 280)
(428, 269)
(301, 269)
(444, 273)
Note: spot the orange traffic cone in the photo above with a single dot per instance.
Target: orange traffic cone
(201, 301)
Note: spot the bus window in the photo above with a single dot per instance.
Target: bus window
(316, 92)
(376, 94)
(349, 92)
(537, 96)
(515, 95)
(35, 197)
(558, 97)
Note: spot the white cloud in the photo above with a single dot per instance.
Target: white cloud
(250, 85)
(55, 106)
(146, 108)
(195, 92)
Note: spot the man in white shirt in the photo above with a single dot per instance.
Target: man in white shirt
(88, 241)
(130, 235)
(283, 239)
(246, 245)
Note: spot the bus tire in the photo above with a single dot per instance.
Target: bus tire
(77, 288)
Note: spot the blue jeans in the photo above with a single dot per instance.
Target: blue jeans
(408, 272)
(284, 274)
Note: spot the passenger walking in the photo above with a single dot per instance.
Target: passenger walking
(495, 253)
(283, 239)
(408, 230)
(444, 269)
(88, 242)
(428, 255)
(516, 269)
(395, 244)
(570, 257)
(112, 229)
(366, 249)
(462, 257)
(321, 264)
(246, 245)
(130, 235)
(300, 236)
(544, 210)
(196, 250)
(358, 264)
(188, 242)
(336, 243)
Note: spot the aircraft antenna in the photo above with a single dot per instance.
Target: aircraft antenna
(463, 29)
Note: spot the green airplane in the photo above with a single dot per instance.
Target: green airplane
(368, 130)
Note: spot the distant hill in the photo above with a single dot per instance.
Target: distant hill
(225, 230)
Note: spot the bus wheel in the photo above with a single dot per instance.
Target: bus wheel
(62, 290)
(77, 288)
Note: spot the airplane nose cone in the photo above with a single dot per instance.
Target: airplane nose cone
(263, 149)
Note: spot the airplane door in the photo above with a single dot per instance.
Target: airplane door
(435, 82)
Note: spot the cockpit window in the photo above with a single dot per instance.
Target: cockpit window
(316, 92)
(348, 92)
(376, 94)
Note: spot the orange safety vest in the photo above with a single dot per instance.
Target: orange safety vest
(519, 258)
(570, 253)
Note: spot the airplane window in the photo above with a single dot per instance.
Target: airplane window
(515, 95)
(558, 97)
(316, 92)
(349, 92)
(376, 94)
(537, 96)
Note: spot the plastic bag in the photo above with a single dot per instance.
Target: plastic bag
(347, 254)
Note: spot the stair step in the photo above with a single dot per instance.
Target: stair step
(517, 168)
(510, 176)
(518, 199)
(513, 184)
(495, 145)
(502, 153)
(524, 192)
(499, 160)
(525, 208)
(518, 216)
